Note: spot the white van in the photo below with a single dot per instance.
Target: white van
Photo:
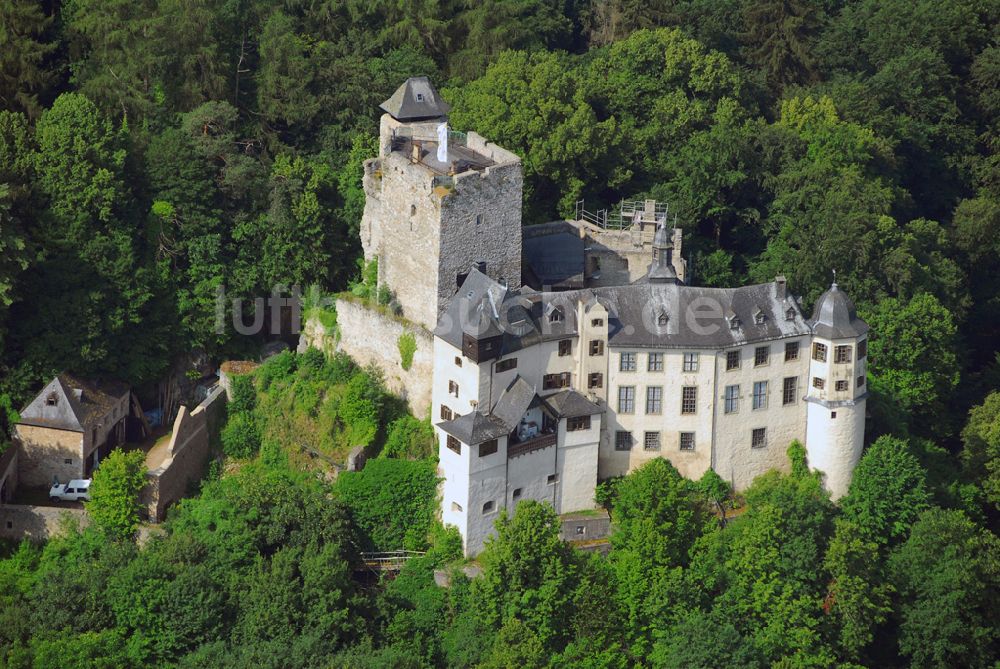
(74, 491)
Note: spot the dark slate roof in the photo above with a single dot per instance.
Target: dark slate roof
(414, 100)
(571, 404)
(696, 316)
(78, 403)
(516, 399)
(474, 428)
(834, 316)
(556, 260)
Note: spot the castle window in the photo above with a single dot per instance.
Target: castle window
(761, 355)
(565, 346)
(623, 440)
(595, 380)
(758, 317)
(597, 323)
(506, 365)
(596, 347)
(818, 383)
(487, 448)
(516, 494)
(842, 354)
(651, 441)
(862, 349)
(52, 399)
(479, 219)
(842, 385)
(413, 210)
(577, 423)
(626, 399)
(581, 529)
(452, 388)
(819, 352)
(68, 461)
(861, 381)
(654, 362)
(791, 351)
(454, 444)
(690, 362)
(687, 441)
(788, 390)
(732, 360)
(689, 399)
(626, 362)
(488, 507)
(552, 478)
(446, 413)
(758, 439)
(420, 97)
(554, 381)
(732, 396)
(654, 399)
(555, 316)
(760, 395)
(833, 414)
(458, 361)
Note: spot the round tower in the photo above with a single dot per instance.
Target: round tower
(837, 390)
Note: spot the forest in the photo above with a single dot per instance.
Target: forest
(156, 154)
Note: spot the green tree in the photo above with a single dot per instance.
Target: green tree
(241, 435)
(778, 39)
(947, 578)
(24, 51)
(981, 455)
(114, 494)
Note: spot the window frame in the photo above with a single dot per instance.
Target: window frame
(690, 362)
(731, 399)
(730, 357)
(654, 405)
(789, 390)
(565, 347)
(689, 400)
(626, 400)
(623, 440)
(577, 423)
(489, 447)
(596, 347)
(631, 365)
(759, 396)
(820, 351)
(762, 356)
(453, 444)
(681, 438)
(760, 442)
(501, 366)
(791, 351)
(646, 438)
(654, 362)
(842, 354)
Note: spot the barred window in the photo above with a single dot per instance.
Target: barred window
(626, 362)
(654, 399)
(842, 354)
(487, 448)
(687, 441)
(818, 383)
(761, 355)
(689, 399)
(626, 399)
(623, 440)
(791, 351)
(506, 365)
(760, 395)
(654, 362)
(690, 362)
(789, 390)
(842, 385)
(819, 352)
(454, 444)
(732, 404)
(651, 441)
(732, 360)
(759, 437)
(577, 423)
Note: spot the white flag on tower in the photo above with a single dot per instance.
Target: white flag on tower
(443, 143)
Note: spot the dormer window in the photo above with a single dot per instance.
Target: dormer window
(662, 319)
(555, 316)
(420, 97)
(52, 400)
(790, 314)
(758, 317)
(734, 323)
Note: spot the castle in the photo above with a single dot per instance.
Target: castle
(572, 352)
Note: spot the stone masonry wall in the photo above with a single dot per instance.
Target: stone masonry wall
(370, 336)
(45, 452)
(188, 449)
(38, 523)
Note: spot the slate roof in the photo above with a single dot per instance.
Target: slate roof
(835, 316)
(571, 404)
(476, 427)
(77, 403)
(414, 100)
(696, 316)
(555, 260)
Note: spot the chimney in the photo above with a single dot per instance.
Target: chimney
(781, 285)
(415, 155)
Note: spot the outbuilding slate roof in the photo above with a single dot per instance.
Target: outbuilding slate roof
(414, 100)
(571, 404)
(70, 403)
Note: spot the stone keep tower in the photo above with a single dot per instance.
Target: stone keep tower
(438, 202)
(837, 392)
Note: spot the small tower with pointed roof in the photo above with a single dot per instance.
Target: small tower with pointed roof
(837, 389)
(662, 270)
(437, 202)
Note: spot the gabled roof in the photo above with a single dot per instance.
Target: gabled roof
(516, 399)
(415, 100)
(69, 403)
(474, 428)
(571, 404)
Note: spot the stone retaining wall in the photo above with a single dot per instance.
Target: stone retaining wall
(38, 523)
(370, 336)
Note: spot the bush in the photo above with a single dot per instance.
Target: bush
(244, 394)
(241, 436)
(409, 438)
(407, 345)
(276, 367)
(361, 408)
(114, 504)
